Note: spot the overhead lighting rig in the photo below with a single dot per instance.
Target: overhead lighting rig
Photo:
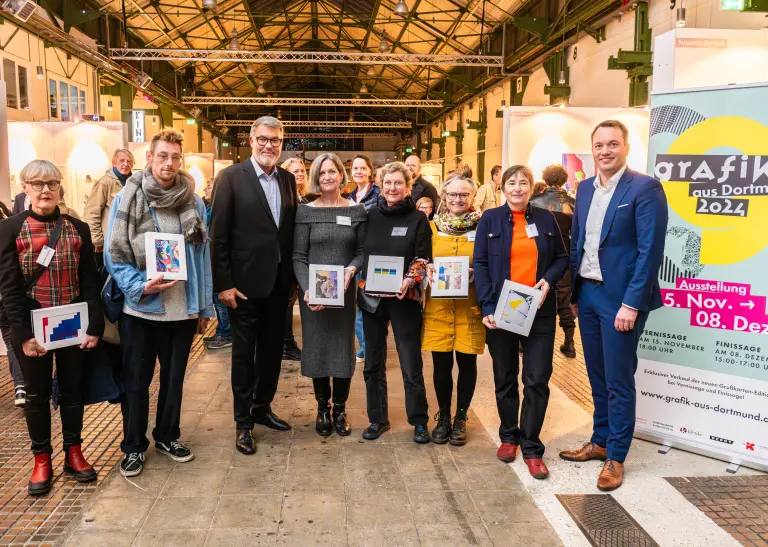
(299, 101)
(323, 123)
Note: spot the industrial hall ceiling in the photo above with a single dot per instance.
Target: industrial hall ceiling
(371, 62)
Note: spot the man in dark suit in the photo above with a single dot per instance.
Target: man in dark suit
(254, 205)
(421, 188)
(617, 245)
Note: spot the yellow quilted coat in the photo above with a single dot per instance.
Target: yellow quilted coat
(453, 325)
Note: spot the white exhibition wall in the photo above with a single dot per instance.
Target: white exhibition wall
(200, 166)
(541, 136)
(81, 151)
(218, 165)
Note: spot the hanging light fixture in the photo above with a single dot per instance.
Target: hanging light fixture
(371, 71)
(562, 80)
(109, 105)
(210, 4)
(363, 89)
(401, 8)
(384, 44)
(279, 113)
(249, 69)
(40, 72)
(234, 43)
(680, 17)
(351, 116)
(260, 90)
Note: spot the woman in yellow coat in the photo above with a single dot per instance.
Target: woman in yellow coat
(454, 325)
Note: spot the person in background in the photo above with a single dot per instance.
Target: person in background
(523, 244)
(617, 246)
(425, 205)
(396, 228)
(454, 325)
(20, 201)
(4, 211)
(96, 212)
(65, 210)
(462, 171)
(160, 318)
(421, 187)
(222, 338)
(69, 277)
(367, 194)
(330, 230)
(19, 390)
(489, 194)
(539, 188)
(295, 166)
(560, 203)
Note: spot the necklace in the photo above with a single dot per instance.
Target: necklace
(338, 201)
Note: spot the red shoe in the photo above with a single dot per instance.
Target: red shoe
(75, 465)
(507, 452)
(42, 476)
(536, 468)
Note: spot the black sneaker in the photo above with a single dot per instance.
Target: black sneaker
(21, 396)
(291, 351)
(443, 428)
(175, 450)
(421, 434)
(132, 464)
(209, 339)
(219, 342)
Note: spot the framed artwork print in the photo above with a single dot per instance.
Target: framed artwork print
(384, 275)
(166, 256)
(326, 285)
(451, 277)
(517, 307)
(60, 326)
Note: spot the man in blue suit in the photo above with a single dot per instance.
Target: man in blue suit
(617, 245)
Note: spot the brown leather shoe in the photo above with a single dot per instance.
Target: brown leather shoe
(590, 451)
(611, 476)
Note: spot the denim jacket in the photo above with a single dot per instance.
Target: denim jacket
(131, 281)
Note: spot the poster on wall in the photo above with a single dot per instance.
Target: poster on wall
(578, 167)
(702, 379)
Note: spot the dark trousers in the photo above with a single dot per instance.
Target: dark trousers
(341, 387)
(38, 373)
(611, 358)
(13, 361)
(443, 378)
(405, 316)
(258, 325)
(288, 334)
(523, 430)
(563, 288)
(144, 342)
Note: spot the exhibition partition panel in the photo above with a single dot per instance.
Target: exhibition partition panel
(702, 379)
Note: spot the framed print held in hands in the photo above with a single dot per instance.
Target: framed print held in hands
(384, 275)
(166, 256)
(60, 326)
(326, 285)
(451, 277)
(517, 307)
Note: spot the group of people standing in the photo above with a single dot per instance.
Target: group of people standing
(249, 251)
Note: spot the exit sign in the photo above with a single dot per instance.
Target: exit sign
(734, 5)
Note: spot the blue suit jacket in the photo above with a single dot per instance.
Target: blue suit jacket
(631, 243)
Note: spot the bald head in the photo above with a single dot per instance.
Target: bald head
(414, 165)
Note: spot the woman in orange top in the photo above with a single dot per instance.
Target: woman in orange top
(523, 244)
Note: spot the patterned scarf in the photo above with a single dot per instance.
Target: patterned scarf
(457, 225)
(134, 217)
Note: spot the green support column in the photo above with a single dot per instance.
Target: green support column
(559, 90)
(166, 115)
(481, 143)
(515, 97)
(637, 63)
(127, 93)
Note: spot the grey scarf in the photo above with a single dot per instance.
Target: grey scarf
(134, 218)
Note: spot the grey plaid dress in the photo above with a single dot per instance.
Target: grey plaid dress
(328, 335)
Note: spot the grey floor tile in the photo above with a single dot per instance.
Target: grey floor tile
(369, 453)
(313, 535)
(248, 482)
(322, 509)
(386, 507)
(266, 455)
(443, 508)
(117, 514)
(507, 507)
(170, 538)
(251, 513)
(367, 477)
(147, 485)
(490, 477)
(456, 535)
(403, 534)
(195, 481)
(181, 514)
(523, 535)
(325, 477)
(91, 539)
(240, 538)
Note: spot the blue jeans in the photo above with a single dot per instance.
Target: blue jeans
(223, 328)
(359, 330)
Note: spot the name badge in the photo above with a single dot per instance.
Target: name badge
(531, 230)
(45, 256)
(344, 221)
(471, 236)
(399, 232)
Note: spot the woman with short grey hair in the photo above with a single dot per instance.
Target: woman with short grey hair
(329, 231)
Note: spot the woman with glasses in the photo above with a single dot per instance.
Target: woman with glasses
(329, 231)
(523, 244)
(425, 205)
(454, 325)
(66, 276)
(396, 229)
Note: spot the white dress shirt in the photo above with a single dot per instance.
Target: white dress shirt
(271, 188)
(590, 261)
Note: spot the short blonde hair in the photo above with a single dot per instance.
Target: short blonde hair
(314, 171)
(457, 178)
(122, 151)
(422, 201)
(40, 169)
(397, 167)
(168, 134)
(290, 161)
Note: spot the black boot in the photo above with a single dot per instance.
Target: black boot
(568, 348)
(340, 420)
(323, 424)
(291, 350)
(443, 428)
(459, 433)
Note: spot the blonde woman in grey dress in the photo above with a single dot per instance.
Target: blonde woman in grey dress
(329, 231)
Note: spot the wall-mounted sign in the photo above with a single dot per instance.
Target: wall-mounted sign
(137, 126)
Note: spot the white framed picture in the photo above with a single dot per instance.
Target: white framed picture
(384, 275)
(166, 256)
(517, 307)
(60, 326)
(326, 285)
(451, 277)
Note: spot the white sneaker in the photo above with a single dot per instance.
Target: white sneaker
(21, 396)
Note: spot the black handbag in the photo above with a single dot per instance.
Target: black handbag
(112, 299)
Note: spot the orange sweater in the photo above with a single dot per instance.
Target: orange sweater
(523, 255)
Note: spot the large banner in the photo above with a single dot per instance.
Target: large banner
(702, 380)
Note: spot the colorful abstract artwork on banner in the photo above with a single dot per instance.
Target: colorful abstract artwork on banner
(579, 167)
(702, 380)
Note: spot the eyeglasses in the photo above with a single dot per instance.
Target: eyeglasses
(163, 157)
(461, 196)
(37, 185)
(274, 141)
(393, 184)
